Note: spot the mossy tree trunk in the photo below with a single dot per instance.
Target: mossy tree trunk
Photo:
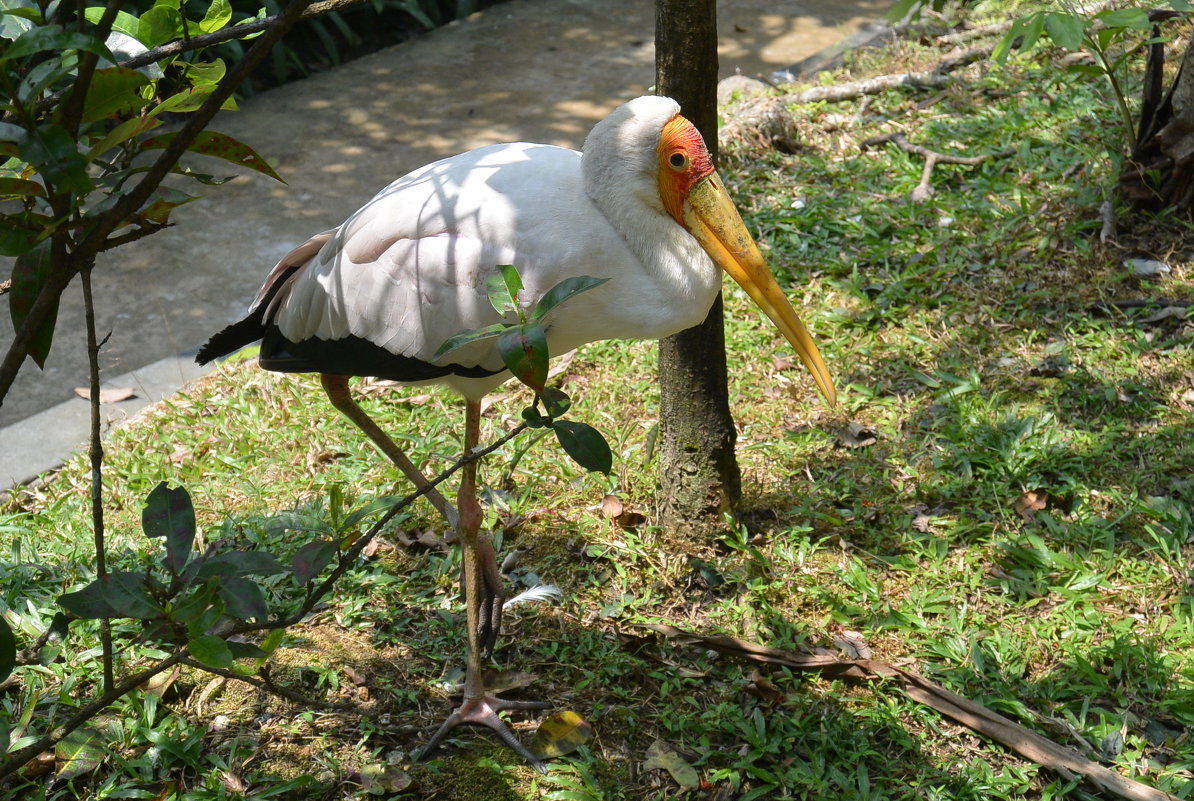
(699, 475)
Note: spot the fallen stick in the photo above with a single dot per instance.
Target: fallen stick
(924, 190)
(1061, 759)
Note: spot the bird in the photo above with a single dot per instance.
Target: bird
(640, 204)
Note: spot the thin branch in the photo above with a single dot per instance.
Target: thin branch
(16, 759)
(924, 189)
(64, 269)
(267, 684)
(96, 455)
(349, 557)
(231, 32)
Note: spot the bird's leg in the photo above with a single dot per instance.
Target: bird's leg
(493, 595)
(478, 706)
(336, 387)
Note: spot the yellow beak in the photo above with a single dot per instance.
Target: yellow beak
(712, 219)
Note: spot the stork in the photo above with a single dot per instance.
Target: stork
(377, 296)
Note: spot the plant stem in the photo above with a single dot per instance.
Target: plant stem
(96, 453)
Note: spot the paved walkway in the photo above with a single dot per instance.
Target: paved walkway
(535, 70)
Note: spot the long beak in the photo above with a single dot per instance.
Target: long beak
(712, 219)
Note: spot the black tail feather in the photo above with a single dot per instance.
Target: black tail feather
(234, 337)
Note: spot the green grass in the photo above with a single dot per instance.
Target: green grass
(970, 334)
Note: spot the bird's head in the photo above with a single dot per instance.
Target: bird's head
(693, 194)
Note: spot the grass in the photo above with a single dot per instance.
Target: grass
(972, 339)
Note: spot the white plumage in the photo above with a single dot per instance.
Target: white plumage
(380, 294)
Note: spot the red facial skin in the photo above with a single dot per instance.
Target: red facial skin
(683, 161)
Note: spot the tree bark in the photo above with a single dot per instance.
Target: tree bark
(699, 477)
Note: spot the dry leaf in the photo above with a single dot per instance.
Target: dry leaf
(763, 689)
(782, 363)
(354, 675)
(662, 756)
(560, 733)
(499, 682)
(853, 643)
(114, 395)
(158, 683)
(611, 506)
(856, 435)
(1031, 502)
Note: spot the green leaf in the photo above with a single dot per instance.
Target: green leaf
(114, 91)
(219, 14)
(17, 188)
(185, 100)
(87, 603)
(207, 74)
(128, 594)
(523, 348)
(1033, 29)
(78, 753)
(243, 598)
(241, 563)
(310, 559)
(469, 337)
(503, 287)
(585, 445)
(1066, 30)
(52, 37)
(162, 201)
(121, 134)
(29, 274)
(220, 146)
(555, 401)
(55, 155)
(16, 239)
(534, 418)
(125, 22)
(246, 650)
(210, 650)
(169, 514)
(565, 290)
(8, 651)
(1004, 46)
(1133, 18)
(159, 25)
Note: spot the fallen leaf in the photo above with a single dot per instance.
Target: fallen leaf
(662, 756)
(160, 682)
(856, 435)
(384, 779)
(354, 676)
(1165, 313)
(498, 682)
(611, 506)
(1029, 503)
(782, 363)
(560, 733)
(78, 753)
(114, 395)
(853, 644)
(764, 690)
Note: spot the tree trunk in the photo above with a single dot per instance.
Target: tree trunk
(699, 475)
(1160, 172)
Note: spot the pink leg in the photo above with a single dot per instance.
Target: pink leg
(478, 707)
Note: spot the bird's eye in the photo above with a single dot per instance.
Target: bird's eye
(678, 160)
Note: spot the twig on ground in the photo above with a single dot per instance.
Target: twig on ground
(924, 190)
(266, 684)
(1063, 760)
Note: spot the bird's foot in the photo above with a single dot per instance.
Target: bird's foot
(483, 711)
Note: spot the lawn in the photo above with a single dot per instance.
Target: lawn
(1001, 502)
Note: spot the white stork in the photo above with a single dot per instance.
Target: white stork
(378, 296)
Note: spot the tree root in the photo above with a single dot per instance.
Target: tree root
(924, 190)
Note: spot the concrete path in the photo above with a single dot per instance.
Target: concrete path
(534, 70)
